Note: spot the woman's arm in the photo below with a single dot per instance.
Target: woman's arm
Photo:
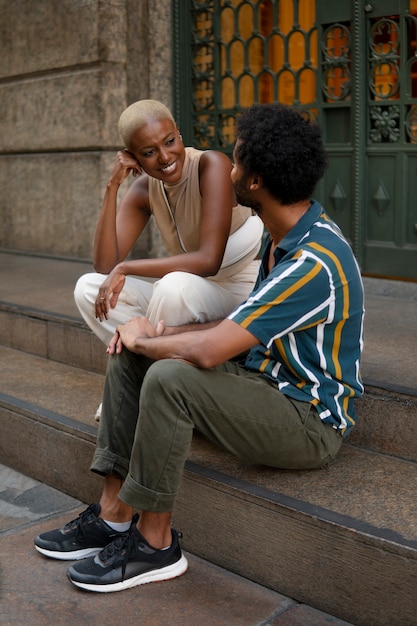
(216, 214)
(117, 230)
(218, 200)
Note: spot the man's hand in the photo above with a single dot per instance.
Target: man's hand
(126, 334)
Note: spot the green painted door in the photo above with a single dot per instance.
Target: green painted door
(352, 65)
(368, 110)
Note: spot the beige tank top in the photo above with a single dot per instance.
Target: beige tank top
(177, 212)
(177, 208)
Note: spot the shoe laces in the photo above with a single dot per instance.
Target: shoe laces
(79, 522)
(122, 548)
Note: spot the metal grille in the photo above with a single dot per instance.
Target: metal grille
(336, 53)
(392, 66)
(352, 65)
(244, 52)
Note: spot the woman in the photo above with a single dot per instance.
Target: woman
(212, 242)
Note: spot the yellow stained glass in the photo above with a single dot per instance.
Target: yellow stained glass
(262, 56)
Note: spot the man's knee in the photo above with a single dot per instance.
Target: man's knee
(165, 377)
(124, 361)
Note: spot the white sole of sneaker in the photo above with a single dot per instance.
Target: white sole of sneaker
(76, 555)
(165, 573)
(98, 412)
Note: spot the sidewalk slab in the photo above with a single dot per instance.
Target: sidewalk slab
(34, 590)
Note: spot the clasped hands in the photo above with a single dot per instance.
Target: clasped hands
(127, 334)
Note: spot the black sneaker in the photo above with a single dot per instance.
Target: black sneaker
(82, 537)
(127, 562)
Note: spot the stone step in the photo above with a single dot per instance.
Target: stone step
(342, 540)
(40, 292)
(38, 315)
(65, 339)
(58, 337)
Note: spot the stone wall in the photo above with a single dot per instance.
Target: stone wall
(67, 70)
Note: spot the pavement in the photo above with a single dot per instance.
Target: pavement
(34, 590)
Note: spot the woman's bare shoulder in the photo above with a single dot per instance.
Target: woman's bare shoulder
(214, 160)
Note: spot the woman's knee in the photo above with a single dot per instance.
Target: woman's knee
(173, 285)
(176, 299)
(86, 288)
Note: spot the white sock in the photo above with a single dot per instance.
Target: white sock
(120, 527)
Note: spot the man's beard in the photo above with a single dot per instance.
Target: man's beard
(244, 199)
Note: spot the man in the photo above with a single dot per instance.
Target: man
(287, 405)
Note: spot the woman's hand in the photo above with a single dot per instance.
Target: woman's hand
(126, 334)
(124, 165)
(108, 294)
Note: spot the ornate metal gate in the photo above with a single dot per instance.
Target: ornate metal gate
(352, 65)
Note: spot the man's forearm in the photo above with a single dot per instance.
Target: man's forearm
(185, 328)
(175, 346)
(206, 346)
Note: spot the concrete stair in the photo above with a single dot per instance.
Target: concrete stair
(342, 540)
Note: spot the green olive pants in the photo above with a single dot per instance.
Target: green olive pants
(150, 410)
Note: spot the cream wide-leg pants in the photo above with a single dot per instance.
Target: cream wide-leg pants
(178, 298)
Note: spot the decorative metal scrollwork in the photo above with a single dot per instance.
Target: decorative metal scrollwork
(411, 123)
(203, 72)
(336, 47)
(385, 124)
(384, 59)
(247, 51)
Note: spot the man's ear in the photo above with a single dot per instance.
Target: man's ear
(255, 182)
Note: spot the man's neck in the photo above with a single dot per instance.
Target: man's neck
(279, 219)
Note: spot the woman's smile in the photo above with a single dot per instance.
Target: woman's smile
(169, 168)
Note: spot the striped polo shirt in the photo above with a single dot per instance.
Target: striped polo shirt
(307, 313)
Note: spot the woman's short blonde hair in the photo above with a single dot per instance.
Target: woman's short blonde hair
(138, 114)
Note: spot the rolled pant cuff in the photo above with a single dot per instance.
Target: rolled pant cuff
(143, 499)
(106, 463)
